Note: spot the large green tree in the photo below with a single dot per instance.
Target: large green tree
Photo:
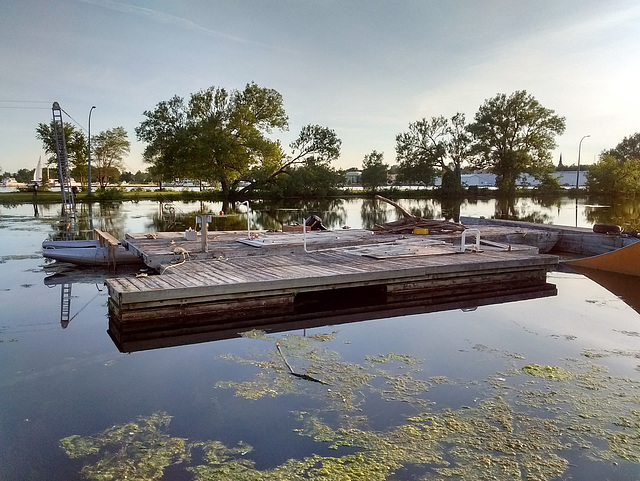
(515, 135)
(434, 146)
(109, 149)
(76, 142)
(374, 171)
(218, 136)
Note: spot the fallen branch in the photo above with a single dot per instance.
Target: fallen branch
(292, 372)
(405, 213)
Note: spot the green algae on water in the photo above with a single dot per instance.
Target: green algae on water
(137, 451)
(521, 429)
(547, 372)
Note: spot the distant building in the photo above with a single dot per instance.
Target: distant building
(567, 178)
(353, 177)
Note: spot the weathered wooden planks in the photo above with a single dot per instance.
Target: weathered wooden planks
(243, 284)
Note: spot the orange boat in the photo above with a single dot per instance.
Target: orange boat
(625, 260)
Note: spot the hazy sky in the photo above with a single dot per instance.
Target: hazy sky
(363, 68)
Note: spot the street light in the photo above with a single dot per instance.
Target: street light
(89, 184)
(579, 148)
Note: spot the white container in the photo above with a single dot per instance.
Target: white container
(190, 235)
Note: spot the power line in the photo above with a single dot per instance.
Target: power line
(27, 101)
(23, 108)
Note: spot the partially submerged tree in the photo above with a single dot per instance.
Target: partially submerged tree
(109, 148)
(374, 171)
(315, 146)
(218, 136)
(515, 135)
(434, 146)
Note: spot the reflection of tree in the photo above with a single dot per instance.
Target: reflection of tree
(625, 213)
(372, 213)
(450, 208)
(426, 211)
(269, 215)
(110, 219)
(506, 209)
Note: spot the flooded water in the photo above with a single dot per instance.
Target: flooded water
(537, 389)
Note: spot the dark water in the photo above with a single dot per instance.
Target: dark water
(464, 369)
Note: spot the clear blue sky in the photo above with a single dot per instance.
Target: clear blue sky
(363, 68)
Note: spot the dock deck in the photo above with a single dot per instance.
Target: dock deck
(273, 275)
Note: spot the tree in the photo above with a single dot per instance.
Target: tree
(436, 145)
(315, 144)
(311, 178)
(612, 178)
(76, 143)
(514, 135)
(164, 130)
(219, 136)
(374, 172)
(109, 148)
(627, 149)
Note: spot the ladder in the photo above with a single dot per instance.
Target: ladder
(68, 201)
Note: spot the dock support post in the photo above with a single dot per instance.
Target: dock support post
(203, 221)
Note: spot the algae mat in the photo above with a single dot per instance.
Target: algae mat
(529, 422)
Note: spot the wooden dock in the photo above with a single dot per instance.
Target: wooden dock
(237, 280)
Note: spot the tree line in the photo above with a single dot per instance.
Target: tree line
(617, 172)
(226, 138)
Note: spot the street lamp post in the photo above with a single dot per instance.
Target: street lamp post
(89, 184)
(579, 148)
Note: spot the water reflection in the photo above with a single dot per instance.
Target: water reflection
(469, 395)
(316, 309)
(622, 212)
(623, 286)
(372, 214)
(523, 210)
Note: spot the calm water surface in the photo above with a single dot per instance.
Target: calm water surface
(456, 386)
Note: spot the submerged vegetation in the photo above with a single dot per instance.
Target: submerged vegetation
(528, 423)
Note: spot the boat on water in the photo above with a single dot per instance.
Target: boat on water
(88, 253)
(625, 260)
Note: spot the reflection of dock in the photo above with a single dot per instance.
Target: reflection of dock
(131, 337)
(274, 276)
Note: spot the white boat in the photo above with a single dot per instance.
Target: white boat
(87, 253)
(11, 182)
(37, 174)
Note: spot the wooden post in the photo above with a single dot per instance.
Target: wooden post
(204, 220)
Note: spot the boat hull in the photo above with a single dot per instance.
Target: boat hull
(66, 244)
(622, 261)
(91, 256)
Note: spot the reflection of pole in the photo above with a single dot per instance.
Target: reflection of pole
(578, 173)
(35, 200)
(89, 184)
